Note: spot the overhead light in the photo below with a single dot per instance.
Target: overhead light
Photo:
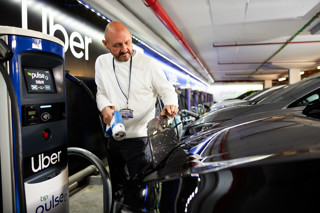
(282, 79)
(318, 67)
(301, 73)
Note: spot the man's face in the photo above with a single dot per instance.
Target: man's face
(120, 45)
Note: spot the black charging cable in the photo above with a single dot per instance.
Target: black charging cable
(81, 84)
(5, 55)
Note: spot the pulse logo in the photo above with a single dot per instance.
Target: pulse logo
(51, 203)
(38, 75)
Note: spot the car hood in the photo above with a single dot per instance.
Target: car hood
(269, 140)
(218, 117)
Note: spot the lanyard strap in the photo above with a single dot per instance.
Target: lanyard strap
(114, 69)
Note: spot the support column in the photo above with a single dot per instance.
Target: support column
(294, 75)
(267, 83)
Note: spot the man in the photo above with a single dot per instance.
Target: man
(130, 82)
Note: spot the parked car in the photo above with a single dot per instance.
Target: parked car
(204, 131)
(266, 165)
(244, 95)
(295, 95)
(248, 100)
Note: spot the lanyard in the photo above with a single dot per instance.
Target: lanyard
(114, 69)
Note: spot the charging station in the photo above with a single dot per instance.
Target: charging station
(34, 169)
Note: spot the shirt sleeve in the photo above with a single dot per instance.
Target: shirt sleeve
(163, 87)
(101, 96)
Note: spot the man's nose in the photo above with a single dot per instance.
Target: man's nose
(123, 48)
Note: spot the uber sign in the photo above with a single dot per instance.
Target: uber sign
(82, 43)
(78, 28)
(44, 160)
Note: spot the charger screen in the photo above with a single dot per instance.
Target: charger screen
(39, 80)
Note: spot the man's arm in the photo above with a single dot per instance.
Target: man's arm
(103, 102)
(165, 90)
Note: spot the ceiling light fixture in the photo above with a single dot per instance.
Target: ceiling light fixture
(282, 79)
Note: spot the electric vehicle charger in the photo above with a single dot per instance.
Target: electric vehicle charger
(33, 133)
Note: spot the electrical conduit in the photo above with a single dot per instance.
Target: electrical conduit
(289, 40)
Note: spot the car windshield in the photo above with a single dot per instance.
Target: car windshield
(246, 94)
(252, 95)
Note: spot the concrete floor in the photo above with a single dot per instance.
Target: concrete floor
(87, 199)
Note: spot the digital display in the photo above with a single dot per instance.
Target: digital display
(30, 113)
(39, 80)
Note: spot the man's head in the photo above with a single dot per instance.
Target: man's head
(118, 40)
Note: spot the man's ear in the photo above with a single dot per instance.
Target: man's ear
(105, 43)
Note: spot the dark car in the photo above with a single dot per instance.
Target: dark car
(249, 100)
(267, 165)
(295, 95)
(244, 95)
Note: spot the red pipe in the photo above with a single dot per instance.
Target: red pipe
(167, 21)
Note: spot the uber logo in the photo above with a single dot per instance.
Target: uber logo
(75, 40)
(82, 44)
(45, 161)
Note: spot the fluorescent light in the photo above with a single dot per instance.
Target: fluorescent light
(301, 73)
(282, 79)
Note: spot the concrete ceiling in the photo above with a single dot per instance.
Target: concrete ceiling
(236, 40)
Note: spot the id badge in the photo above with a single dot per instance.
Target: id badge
(126, 113)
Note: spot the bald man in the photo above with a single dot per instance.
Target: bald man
(130, 82)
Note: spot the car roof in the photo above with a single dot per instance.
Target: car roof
(295, 91)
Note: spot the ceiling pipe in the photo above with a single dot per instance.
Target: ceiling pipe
(267, 43)
(270, 62)
(170, 25)
(289, 40)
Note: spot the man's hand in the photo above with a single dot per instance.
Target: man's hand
(169, 110)
(107, 114)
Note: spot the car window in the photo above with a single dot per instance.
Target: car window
(314, 96)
